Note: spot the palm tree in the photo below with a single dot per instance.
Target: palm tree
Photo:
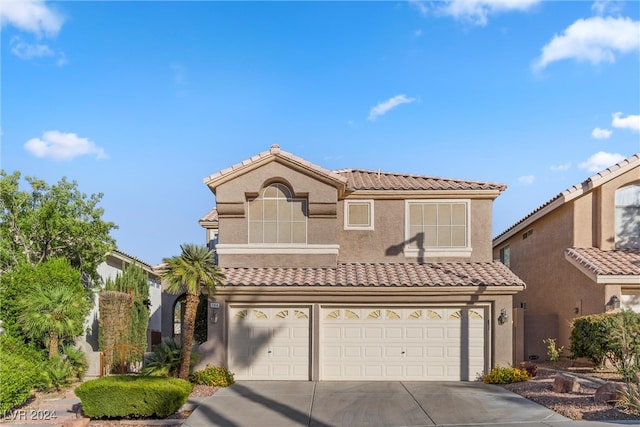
(191, 272)
(53, 314)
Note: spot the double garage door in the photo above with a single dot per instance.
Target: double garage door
(359, 343)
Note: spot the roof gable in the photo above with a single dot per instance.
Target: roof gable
(275, 154)
(569, 194)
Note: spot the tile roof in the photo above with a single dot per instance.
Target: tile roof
(211, 216)
(376, 275)
(273, 152)
(359, 179)
(575, 190)
(617, 262)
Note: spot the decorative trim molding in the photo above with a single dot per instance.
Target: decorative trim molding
(288, 249)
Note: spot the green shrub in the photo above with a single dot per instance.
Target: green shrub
(129, 396)
(589, 338)
(55, 374)
(18, 372)
(218, 376)
(165, 359)
(614, 337)
(505, 375)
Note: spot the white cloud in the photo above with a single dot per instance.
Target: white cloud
(420, 5)
(601, 7)
(391, 103)
(598, 133)
(25, 50)
(62, 146)
(527, 179)
(560, 168)
(477, 11)
(600, 161)
(630, 122)
(594, 39)
(32, 16)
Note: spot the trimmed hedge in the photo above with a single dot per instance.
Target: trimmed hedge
(121, 396)
(590, 337)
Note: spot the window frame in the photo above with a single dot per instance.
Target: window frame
(290, 198)
(442, 251)
(625, 240)
(370, 204)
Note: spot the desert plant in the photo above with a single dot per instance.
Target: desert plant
(624, 345)
(191, 272)
(119, 396)
(631, 398)
(218, 376)
(55, 373)
(77, 360)
(165, 359)
(505, 375)
(553, 352)
(590, 338)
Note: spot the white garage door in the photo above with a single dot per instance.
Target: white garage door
(269, 343)
(387, 343)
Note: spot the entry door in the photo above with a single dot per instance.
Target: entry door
(391, 343)
(269, 343)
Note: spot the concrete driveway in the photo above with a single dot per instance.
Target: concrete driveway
(377, 404)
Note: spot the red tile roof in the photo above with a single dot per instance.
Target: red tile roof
(376, 275)
(211, 216)
(625, 262)
(359, 179)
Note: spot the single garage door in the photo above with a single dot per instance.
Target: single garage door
(391, 343)
(269, 343)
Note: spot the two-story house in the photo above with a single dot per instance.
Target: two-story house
(579, 254)
(354, 274)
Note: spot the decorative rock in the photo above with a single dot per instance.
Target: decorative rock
(530, 367)
(609, 393)
(563, 383)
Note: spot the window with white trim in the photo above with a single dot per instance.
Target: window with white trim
(628, 217)
(358, 215)
(275, 216)
(437, 225)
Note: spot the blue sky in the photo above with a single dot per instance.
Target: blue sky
(142, 100)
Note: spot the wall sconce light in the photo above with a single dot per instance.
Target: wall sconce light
(614, 303)
(214, 306)
(504, 317)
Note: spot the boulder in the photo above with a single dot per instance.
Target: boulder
(564, 383)
(609, 393)
(530, 367)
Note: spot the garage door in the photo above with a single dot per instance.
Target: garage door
(389, 343)
(269, 343)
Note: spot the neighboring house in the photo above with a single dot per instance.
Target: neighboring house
(354, 274)
(579, 254)
(114, 264)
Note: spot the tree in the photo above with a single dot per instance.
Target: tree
(53, 309)
(51, 221)
(135, 283)
(191, 272)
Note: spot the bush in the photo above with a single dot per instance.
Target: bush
(589, 338)
(213, 376)
(18, 372)
(505, 375)
(614, 337)
(165, 359)
(129, 396)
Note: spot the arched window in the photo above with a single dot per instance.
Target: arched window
(275, 216)
(628, 217)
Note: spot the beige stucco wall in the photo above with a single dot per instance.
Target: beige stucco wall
(556, 288)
